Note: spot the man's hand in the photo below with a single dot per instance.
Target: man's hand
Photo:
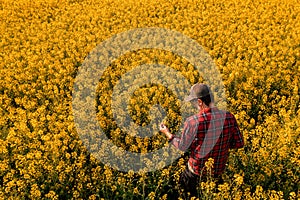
(165, 131)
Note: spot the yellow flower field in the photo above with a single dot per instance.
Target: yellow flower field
(254, 44)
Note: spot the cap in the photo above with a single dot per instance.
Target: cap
(197, 91)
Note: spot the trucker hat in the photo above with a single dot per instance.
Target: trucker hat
(197, 91)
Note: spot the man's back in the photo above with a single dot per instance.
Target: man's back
(217, 132)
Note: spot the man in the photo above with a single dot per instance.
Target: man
(208, 134)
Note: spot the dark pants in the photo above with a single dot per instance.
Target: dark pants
(189, 181)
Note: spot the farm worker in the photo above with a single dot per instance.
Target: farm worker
(208, 134)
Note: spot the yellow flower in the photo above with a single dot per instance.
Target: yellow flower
(151, 195)
(136, 190)
(238, 179)
(34, 191)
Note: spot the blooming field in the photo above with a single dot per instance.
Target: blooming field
(255, 46)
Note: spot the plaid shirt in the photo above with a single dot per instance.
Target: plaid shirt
(209, 134)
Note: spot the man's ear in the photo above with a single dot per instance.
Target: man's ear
(200, 102)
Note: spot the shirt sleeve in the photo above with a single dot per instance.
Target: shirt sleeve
(237, 140)
(188, 134)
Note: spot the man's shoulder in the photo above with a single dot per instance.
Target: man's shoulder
(202, 116)
(229, 115)
(193, 117)
(226, 113)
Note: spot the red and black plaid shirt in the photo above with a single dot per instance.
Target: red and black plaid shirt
(209, 134)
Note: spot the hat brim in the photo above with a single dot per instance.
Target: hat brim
(189, 98)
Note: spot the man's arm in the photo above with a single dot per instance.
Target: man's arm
(187, 136)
